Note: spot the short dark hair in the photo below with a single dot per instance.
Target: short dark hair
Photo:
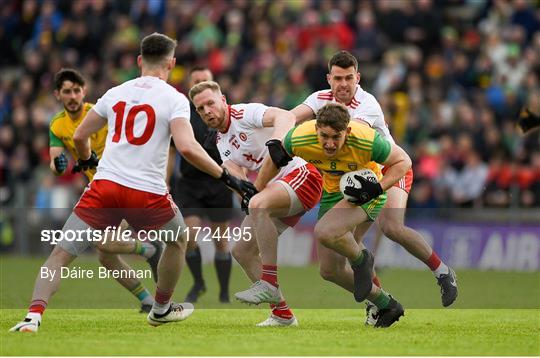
(156, 47)
(67, 74)
(343, 59)
(333, 115)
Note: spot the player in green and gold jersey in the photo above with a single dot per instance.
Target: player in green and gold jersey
(63, 125)
(335, 145)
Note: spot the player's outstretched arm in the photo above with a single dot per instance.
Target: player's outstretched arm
(185, 142)
(235, 169)
(92, 123)
(302, 113)
(398, 163)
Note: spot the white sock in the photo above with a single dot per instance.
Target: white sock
(441, 270)
(161, 308)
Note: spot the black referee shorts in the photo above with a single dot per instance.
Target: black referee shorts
(204, 198)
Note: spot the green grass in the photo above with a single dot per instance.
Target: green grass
(321, 332)
(497, 313)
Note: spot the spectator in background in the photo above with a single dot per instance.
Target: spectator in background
(468, 184)
(436, 58)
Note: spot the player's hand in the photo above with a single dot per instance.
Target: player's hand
(60, 163)
(84, 165)
(279, 155)
(528, 120)
(242, 187)
(245, 202)
(365, 193)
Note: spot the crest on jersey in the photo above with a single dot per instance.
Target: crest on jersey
(352, 166)
(243, 136)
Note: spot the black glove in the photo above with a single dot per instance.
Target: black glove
(365, 193)
(279, 155)
(60, 163)
(245, 203)
(528, 120)
(84, 165)
(242, 187)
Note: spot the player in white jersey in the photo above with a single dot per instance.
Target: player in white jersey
(130, 182)
(344, 79)
(246, 132)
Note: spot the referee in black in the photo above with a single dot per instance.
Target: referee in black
(201, 196)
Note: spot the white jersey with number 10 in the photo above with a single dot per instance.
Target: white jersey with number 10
(138, 115)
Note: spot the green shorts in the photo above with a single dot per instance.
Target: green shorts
(372, 207)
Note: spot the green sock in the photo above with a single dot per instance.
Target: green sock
(142, 294)
(382, 300)
(357, 261)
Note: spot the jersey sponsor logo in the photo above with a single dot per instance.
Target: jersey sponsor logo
(352, 166)
(315, 161)
(249, 158)
(243, 136)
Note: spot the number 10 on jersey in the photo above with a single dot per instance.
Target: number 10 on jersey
(120, 109)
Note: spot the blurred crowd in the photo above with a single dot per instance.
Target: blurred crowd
(450, 75)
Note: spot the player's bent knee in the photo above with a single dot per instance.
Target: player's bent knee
(258, 206)
(323, 235)
(175, 225)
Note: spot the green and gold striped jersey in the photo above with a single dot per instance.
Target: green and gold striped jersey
(363, 148)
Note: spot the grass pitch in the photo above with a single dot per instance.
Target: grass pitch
(321, 332)
(496, 314)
